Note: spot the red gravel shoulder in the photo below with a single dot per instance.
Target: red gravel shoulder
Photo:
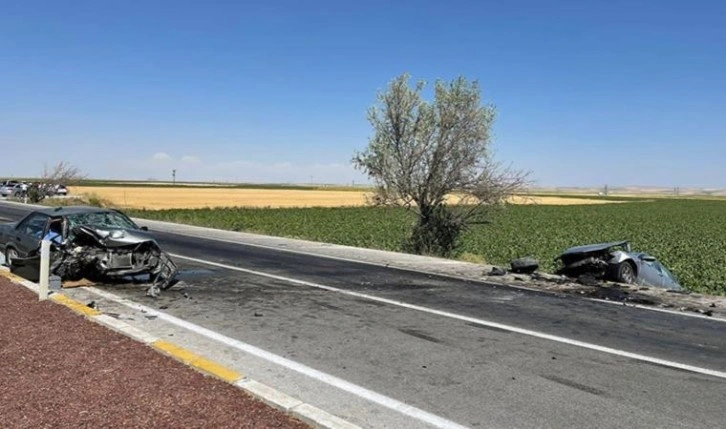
(59, 370)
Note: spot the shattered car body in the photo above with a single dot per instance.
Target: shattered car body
(88, 242)
(616, 261)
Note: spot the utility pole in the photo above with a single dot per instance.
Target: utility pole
(173, 176)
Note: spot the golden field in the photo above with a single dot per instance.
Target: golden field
(186, 197)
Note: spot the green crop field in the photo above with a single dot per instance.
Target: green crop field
(687, 235)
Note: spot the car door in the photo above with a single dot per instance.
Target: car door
(29, 233)
(663, 278)
(651, 273)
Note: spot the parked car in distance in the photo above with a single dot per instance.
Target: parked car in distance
(60, 190)
(8, 187)
(6, 191)
(20, 190)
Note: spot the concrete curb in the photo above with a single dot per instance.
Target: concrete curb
(307, 413)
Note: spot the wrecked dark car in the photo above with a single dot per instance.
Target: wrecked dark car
(615, 261)
(88, 242)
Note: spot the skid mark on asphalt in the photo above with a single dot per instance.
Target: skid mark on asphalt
(574, 385)
(421, 335)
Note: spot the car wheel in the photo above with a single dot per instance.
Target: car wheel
(10, 254)
(625, 273)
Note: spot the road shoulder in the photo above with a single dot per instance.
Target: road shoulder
(109, 373)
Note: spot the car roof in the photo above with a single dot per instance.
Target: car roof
(71, 210)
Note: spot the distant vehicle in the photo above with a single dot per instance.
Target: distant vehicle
(617, 262)
(60, 190)
(7, 188)
(14, 189)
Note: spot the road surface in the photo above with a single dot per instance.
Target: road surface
(383, 347)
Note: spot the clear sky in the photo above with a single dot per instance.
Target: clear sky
(588, 92)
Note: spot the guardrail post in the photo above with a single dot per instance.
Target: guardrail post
(44, 270)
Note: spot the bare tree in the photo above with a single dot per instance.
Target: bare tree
(63, 173)
(422, 154)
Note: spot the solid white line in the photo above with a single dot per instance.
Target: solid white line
(482, 322)
(660, 310)
(349, 387)
(240, 242)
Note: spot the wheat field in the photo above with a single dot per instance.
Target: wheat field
(157, 198)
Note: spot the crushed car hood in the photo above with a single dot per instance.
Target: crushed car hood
(116, 236)
(590, 248)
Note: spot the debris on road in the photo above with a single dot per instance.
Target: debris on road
(77, 283)
(590, 287)
(526, 265)
(587, 279)
(497, 271)
(595, 283)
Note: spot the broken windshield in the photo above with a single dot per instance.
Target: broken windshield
(105, 220)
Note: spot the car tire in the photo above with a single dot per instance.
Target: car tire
(10, 254)
(625, 273)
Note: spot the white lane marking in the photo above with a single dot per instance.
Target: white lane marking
(413, 270)
(603, 349)
(660, 310)
(347, 386)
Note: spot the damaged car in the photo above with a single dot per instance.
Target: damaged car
(616, 261)
(94, 243)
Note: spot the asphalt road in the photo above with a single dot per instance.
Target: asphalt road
(474, 374)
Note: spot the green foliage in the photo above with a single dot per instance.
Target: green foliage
(437, 233)
(97, 201)
(382, 228)
(687, 235)
(36, 194)
(421, 151)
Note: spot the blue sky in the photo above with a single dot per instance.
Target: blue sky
(587, 92)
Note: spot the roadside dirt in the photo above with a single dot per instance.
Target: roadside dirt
(60, 370)
(706, 305)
